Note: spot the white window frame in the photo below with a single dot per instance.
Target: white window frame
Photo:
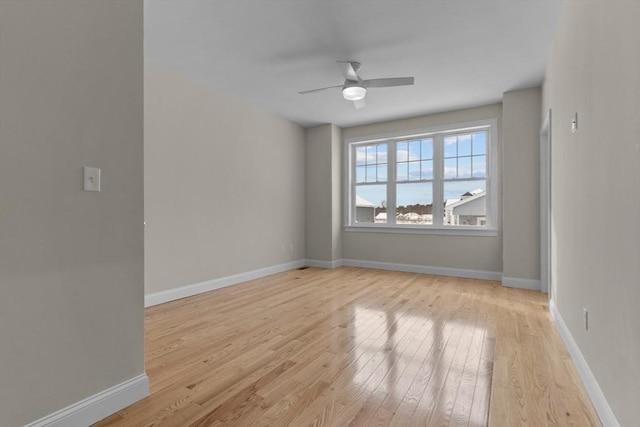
(437, 133)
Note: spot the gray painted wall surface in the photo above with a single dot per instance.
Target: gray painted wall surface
(595, 70)
(323, 162)
(319, 200)
(520, 184)
(71, 262)
(224, 185)
(336, 191)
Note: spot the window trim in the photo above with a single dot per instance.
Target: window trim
(438, 132)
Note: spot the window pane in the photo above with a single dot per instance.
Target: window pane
(402, 171)
(464, 145)
(382, 153)
(464, 167)
(427, 169)
(370, 204)
(402, 155)
(371, 154)
(371, 173)
(382, 172)
(455, 189)
(427, 149)
(479, 166)
(480, 143)
(414, 150)
(465, 203)
(450, 168)
(360, 155)
(361, 173)
(414, 171)
(450, 147)
(414, 203)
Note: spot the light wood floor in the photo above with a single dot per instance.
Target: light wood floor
(357, 347)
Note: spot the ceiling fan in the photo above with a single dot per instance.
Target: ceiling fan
(355, 87)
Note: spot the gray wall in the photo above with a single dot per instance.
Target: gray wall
(595, 70)
(336, 191)
(319, 202)
(71, 262)
(224, 185)
(323, 160)
(520, 184)
(463, 252)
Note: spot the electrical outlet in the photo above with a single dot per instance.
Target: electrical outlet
(585, 316)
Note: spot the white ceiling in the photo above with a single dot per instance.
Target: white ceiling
(462, 53)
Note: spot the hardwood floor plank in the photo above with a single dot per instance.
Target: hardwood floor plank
(359, 347)
(461, 411)
(479, 415)
(364, 417)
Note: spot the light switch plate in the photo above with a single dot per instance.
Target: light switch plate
(91, 179)
(574, 123)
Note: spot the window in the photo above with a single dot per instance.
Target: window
(435, 179)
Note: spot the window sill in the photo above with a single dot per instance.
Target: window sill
(443, 231)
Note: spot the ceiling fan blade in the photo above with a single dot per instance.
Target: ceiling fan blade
(393, 81)
(317, 90)
(350, 70)
(360, 103)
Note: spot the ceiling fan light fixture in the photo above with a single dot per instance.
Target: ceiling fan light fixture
(354, 93)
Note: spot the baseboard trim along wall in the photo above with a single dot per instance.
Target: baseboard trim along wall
(514, 282)
(425, 269)
(210, 285)
(600, 403)
(324, 264)
(98, 406)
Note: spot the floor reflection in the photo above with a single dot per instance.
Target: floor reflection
(425, 364)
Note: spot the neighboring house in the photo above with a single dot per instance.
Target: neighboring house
(365, 210)
(471, 209)
(448, 213)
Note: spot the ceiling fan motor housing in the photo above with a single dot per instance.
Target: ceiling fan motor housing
(353, 92)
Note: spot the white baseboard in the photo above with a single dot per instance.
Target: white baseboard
(98, 406)
(514, 282)
(198, 288)
(324, 264)
(410, 268)
(598, 400)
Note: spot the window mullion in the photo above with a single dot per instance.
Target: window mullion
(438, 174)
(391, 183)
